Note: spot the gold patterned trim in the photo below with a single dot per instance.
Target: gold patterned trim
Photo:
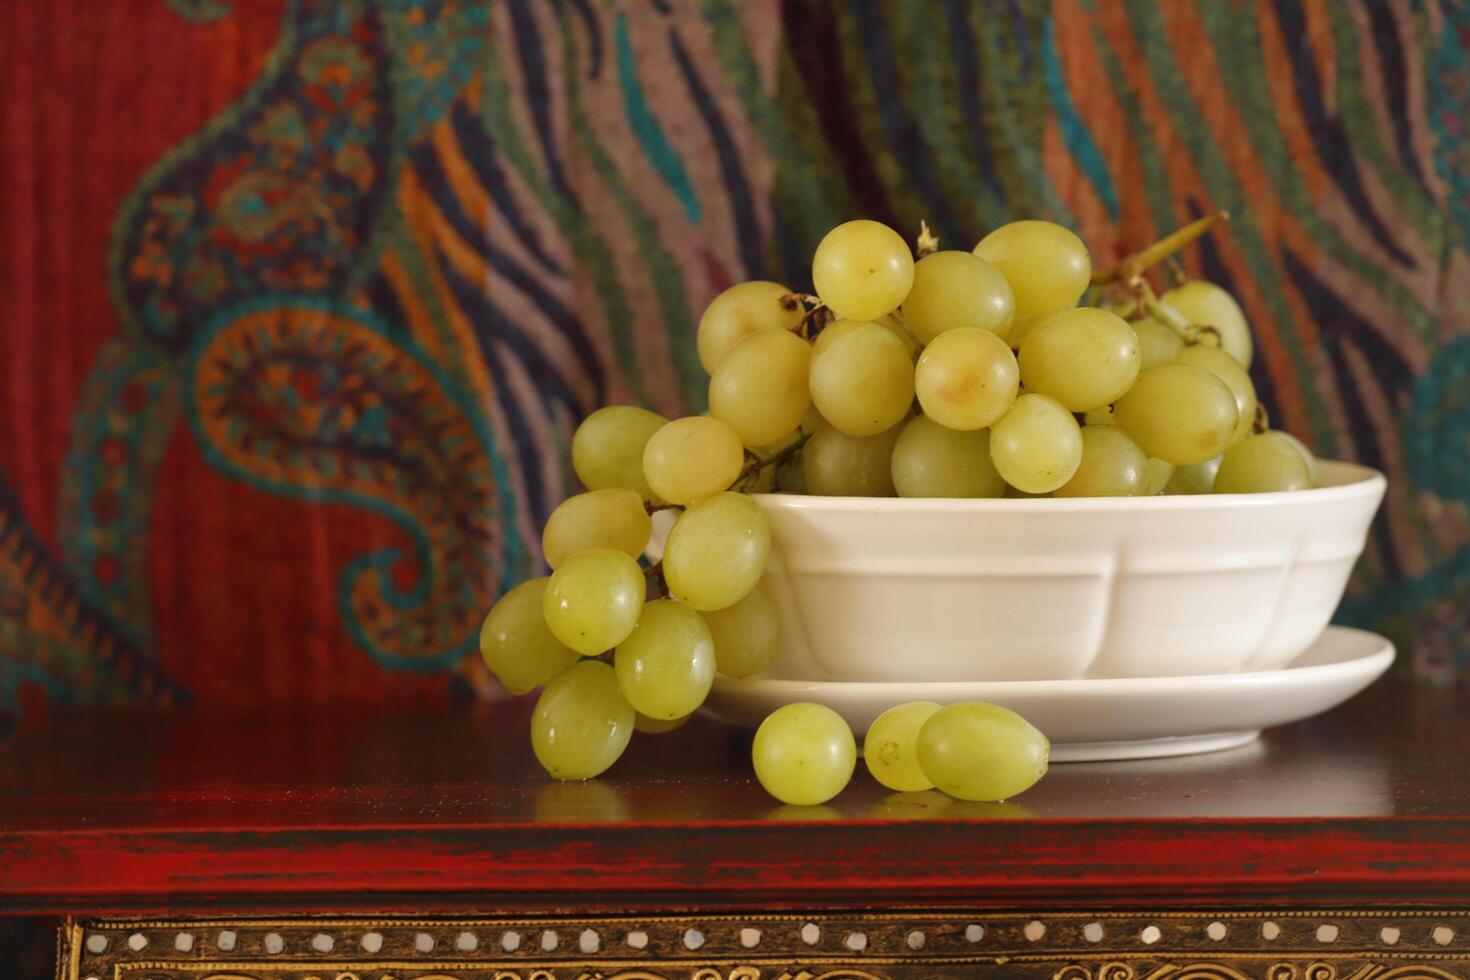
(1280, 971)
(1408, 944)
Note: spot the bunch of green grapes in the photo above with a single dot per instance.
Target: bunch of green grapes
(978, 374)
(938, 374)
(618, 645)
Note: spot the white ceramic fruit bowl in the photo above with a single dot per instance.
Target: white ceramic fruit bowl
(877, 589)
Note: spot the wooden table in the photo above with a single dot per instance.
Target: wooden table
(413, 844)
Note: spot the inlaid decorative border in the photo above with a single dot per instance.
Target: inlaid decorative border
(1410, 944)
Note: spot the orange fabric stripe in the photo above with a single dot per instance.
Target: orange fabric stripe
(1201, 72)
(420, 211)
(462, 180)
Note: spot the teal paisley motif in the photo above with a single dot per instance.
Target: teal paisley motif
(271, 216)
(281, 193)
(129, 408)
(312, 399)
(54, 637)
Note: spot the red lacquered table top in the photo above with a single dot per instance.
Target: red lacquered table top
(375, 809)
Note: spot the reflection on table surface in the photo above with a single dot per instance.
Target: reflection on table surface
(1393, 750)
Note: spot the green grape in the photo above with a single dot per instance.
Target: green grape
(1179, 413)
(1228, 370)
(966, 378)
(1205, 303)
(1047, 265)
(891, 747)
(1159, 329)
(743, 309)
(654, 726)
(581, 723)
(804, 754)
(717, 551)
(812, 420)
(893, 323)
(1112, 466)
(666, 665)
(1178, 486)
(932, 461)
(760, 388)
(692, 458)
(1158, 343)
(1021, 329)
(829, 335)
(747, 634)
(1159, 475)
(982, 752)
(593, 600)
(607, 448)
(1084, 358)
(835, 464)
(791, 475)
(1263, 464)
(596, 519)
(518, 646)
(957, 289)
(1102, 415)
(862, 270)
(1194, 478)
(1037, 445)
(837, 328)
(765, 476)
(1300, 447)
(862, 378)
(890, 322)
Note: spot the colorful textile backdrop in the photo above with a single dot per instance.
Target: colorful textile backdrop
(303, 299)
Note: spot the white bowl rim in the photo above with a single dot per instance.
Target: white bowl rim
(1350, 481)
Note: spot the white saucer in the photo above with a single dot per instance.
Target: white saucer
(1108, 718)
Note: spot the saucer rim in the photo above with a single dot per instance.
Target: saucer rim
(1383, 651)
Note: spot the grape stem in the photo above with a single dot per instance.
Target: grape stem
(653, 508)
(1262, 421)
(1202, 334)
(1193, 334)
(792, 300)
(1150, 304)
(814, 313)
(1131, 268)
(927, 242)
(755, 464)
(814, 321)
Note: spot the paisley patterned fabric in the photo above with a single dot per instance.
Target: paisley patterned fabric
(305, 298)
